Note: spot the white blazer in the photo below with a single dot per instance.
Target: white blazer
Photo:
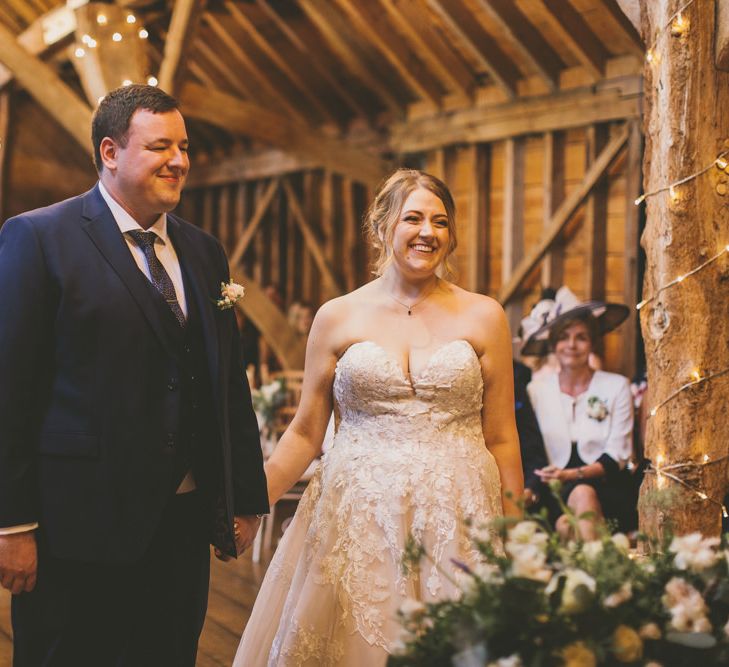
(612, 435)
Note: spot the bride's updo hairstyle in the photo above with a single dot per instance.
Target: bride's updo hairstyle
(384, 213)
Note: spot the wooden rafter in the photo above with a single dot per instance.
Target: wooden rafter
(500, 68)
(543, 114)
(430, 45)
(374, 26)
(225, 69)
(32, 39)
(512, 243)
(251, 68)
(47, 89)
(247, 167)
(635, 41)
(4, 136)
(243, 117)
(562, 216)
(574, 31)
(263, 44)
(595, 220)
(335, 31)
(314, 57)
(311, 241)
(554, 191)
(525, 38)
(250, 230)
(183, 24)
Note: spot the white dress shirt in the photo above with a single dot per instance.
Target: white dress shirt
(565, 419)
(165, 251)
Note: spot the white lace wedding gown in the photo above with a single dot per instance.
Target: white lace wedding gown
(408, 457)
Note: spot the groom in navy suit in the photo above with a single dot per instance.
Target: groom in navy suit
(128, 443)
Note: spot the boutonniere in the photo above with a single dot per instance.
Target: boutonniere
(230, 293)
(597, 408)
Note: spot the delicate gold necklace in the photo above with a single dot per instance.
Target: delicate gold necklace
(418, 302)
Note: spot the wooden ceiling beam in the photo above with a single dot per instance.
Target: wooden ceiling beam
(249, 166)
(314, 57)
(263, 44)
(523, 116)
(252, 69)
(33, 42)
(413, 22)
(373, 25)
(47, 89)
(334, 31)
(574, 31)
(637, 46)
(242, 117)
(22, 9)
(238, 84)
(525, 38)
(180, 36)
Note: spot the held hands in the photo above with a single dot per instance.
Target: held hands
(18, 562)
(245, 529)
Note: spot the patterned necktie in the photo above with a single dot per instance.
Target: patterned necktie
(160, 278)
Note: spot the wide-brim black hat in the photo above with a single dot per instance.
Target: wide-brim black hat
(565, 307)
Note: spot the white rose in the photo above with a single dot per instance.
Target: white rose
(574, 579)
(510, 661)
(622, 542)
(623, 594)
(410, 608)
(528, 561)
(528, 532)
(694, 552)
(592, 549)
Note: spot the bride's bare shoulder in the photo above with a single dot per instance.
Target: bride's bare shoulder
(477, 306)
(343, 309)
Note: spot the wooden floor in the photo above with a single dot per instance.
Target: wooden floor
(233, 589)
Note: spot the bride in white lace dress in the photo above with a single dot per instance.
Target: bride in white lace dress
(419, 374)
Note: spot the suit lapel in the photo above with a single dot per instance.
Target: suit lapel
(100, 225)
(192, 265)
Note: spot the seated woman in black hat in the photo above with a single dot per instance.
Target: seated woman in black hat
(585, 415)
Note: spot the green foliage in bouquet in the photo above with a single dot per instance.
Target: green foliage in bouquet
(535, 601)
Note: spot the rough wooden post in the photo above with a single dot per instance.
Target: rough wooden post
(686, 328)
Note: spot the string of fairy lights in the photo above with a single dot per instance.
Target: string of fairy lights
(678, 26)
(88, 42)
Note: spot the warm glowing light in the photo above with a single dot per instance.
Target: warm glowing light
(649, 56)
(86, 39)
(696, 375)
(91, 43)
(721, 163)
(152, 81)
(101, 19)
(117, 37)
(639, 200)
(653, 412)
(679, 25)
(131, 18)
(98, 101)
(724, 512)
(80, 52)
(126, 82)
(701, 495)
(641, 304)
(706, 458)
(143, 34)
(660, 460)
(680, 279)
(673, 193)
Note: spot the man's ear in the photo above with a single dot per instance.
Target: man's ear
(109, 150)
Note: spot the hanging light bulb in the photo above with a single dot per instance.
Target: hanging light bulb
(152, 81)
(131, 18)
(117, 37)
(679, 25)
(101, 19)
(143, 34)
(80, 52)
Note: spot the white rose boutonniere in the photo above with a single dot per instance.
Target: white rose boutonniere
(597, 408)
(229, 294)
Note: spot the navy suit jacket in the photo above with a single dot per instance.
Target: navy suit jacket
(86, 406)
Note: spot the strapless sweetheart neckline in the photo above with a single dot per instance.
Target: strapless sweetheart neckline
(408, 378)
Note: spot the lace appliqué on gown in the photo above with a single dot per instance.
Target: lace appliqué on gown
(408, 458)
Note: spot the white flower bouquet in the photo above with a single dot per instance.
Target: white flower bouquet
(266, 399)
(535, 601)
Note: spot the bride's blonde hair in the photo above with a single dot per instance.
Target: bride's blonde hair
(384, 213)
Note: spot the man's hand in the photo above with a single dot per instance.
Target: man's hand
(18, 562)
(245, 529)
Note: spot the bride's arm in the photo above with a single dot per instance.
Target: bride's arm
(499, 424)
(301, 442)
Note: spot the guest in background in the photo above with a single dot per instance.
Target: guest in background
(533, 455)
(585, 415)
